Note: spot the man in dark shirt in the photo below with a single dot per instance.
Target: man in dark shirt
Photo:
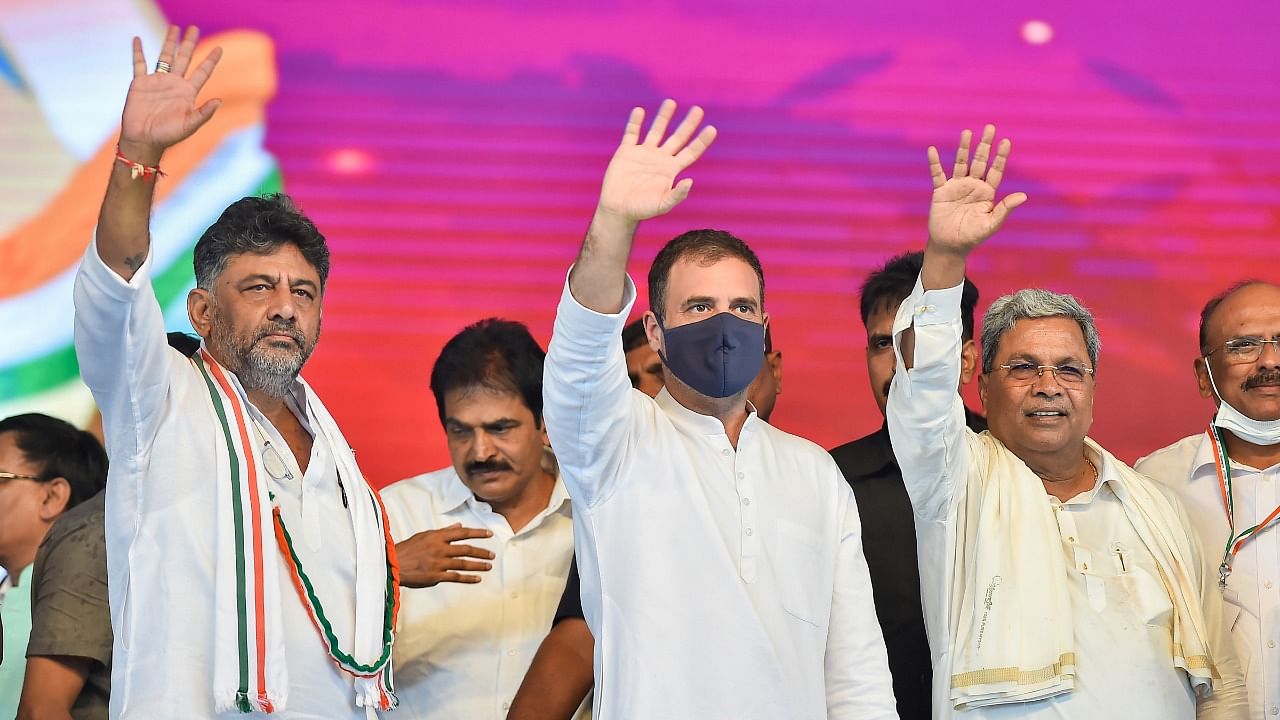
(888, 531)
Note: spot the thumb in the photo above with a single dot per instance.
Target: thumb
(677, 194)
(1006, 206)
(203, 113)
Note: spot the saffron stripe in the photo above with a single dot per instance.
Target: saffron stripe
(256, 518)
(237, 512)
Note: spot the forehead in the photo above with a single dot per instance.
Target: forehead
(1251, 310)
(1047, 339)
(477, 404)
(12, 459)
(284, 261)
(881, 319)
(728, 277)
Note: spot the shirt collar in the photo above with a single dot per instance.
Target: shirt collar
(703, 424)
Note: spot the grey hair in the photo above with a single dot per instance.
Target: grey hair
(1033, 303)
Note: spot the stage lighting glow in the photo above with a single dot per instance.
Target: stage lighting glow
(350, 161)
(1037, 32)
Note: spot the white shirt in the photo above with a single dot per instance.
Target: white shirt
(718, 582)
(160, 527)
(1121, 614)
(462, 649)
(1253, 589)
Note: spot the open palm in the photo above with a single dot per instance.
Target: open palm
(160, 109)
(963, 212)
(638, 183)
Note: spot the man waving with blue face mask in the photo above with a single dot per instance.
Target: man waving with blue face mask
(1228, 475)
(721, 558)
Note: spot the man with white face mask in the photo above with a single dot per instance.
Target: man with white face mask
(1227, 475)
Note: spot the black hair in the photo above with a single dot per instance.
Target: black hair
(633, 336)
(886, 288)
(61, 450)
(703, 246)
(259, 225)
(495, 354)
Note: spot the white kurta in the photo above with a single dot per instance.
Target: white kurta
(719, 582)
(1252, 595)
(1121, 614)
(161, 439)
(463, 649)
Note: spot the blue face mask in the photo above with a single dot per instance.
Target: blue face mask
(718, 357)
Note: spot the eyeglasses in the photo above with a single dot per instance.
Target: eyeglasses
(1025, 373)
(1243, 350)
(7, 476)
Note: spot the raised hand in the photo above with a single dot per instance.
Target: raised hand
(431, 557)
(160, 109)
(963, 212)
(638, 183)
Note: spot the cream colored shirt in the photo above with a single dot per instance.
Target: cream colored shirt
(1120, 612)
(463, 649)
(1252, 595)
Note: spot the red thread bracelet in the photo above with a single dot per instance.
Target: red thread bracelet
(137, 169)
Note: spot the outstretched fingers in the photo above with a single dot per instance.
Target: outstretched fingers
(170, 47)
(962, 155)
(187, 48)
(996, 174)
(980, 156)
(936, 172)
(631, 135)
(691, 152)
(139, 60)
(202, 72)
(684, 130)
(660, 121)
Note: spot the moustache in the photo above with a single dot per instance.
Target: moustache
(1267, 378)
(487, 466)
(280, 329)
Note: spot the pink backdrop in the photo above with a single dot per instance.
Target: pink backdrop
(452, 153)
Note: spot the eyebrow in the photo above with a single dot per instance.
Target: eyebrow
(708, 300)
(1032, 358)
(275, 279)
(492, 423)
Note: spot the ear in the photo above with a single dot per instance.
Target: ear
(57, 493)
(968, 361)
(775, 366)
(1202, 379)
(200, 311)
(652, 331)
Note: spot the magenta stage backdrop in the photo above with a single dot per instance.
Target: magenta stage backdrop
(452, 153)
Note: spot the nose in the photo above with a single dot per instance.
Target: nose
(284, 306)
(1046, 383)
(482, 446)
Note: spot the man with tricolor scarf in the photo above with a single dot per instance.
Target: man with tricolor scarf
(249, 563)
(1057, 582)
(1228, 473)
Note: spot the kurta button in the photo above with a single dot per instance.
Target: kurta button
(724, 452)
(746, 501)
(741, 475)
(748, 532)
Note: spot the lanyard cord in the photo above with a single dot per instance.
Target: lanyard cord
(1234, 541)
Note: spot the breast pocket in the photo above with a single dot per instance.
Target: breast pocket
(804, 580)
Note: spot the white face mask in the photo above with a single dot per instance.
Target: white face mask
(1258, 432)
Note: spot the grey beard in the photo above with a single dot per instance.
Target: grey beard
(265, 371)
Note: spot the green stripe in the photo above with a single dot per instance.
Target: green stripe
(346, 661)
(237, 510)
(58, 367)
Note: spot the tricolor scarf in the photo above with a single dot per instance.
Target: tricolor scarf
(250, 671)
(1011, 634)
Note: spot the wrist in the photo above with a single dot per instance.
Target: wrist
(142, 153)
(612, 223)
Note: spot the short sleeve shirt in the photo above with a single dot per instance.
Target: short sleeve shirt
(69, 611)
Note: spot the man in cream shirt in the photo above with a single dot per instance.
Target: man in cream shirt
(1238, 454)
(485, 542)
(1057, 582)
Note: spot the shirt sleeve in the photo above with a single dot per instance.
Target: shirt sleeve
(925, 413)
(588, 402)
(1230, 697)
(857, 667)
(124, 355)
(69, 609)
(571, 601)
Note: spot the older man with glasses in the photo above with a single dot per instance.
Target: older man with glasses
(1227, 475)
(1057, 582)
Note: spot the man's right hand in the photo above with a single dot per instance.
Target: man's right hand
(431, 557)
(160, 110)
